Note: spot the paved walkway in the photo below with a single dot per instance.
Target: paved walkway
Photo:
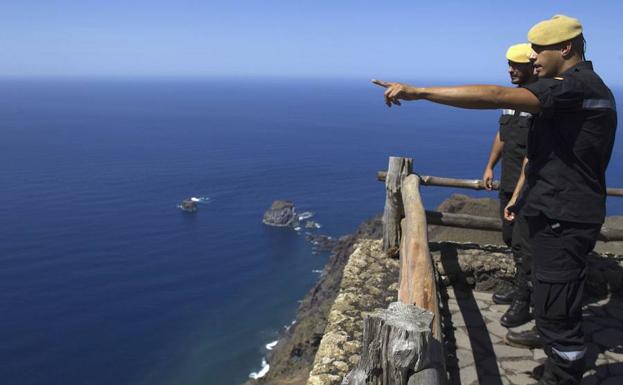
(477, 354)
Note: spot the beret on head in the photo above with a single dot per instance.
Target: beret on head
(519, 53)
(555, 30)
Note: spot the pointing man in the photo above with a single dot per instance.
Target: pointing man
(569, 148)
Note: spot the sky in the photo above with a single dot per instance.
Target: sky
(339, 39)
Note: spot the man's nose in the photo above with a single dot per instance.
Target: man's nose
(533, 56)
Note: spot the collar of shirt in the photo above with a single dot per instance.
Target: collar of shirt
(583, 65)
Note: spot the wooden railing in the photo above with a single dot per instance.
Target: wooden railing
(473, 184)
(404, 344)
(397, 349)
(417, 286)
(475, 222)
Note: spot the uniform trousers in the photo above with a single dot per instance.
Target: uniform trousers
(559, 273)
(516, 235)
(522, 253)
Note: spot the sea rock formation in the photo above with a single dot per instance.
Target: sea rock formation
(321, 243)
(281, 213)
(188, 205)
(311, 225)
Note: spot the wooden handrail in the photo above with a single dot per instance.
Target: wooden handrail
(417, 277)
(418, 281)
(404, 343)
(473, 184)
(465, 221)
(475, 222)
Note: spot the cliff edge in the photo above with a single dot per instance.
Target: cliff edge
(292, 357)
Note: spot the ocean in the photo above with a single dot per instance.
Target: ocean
(105, 281)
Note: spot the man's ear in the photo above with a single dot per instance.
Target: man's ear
(566, 49)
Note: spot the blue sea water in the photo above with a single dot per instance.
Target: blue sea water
(104, 281)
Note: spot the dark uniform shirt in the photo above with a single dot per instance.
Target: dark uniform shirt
(514, 126)
(569, 146)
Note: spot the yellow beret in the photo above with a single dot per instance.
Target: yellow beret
(555, 30)
(519, 53)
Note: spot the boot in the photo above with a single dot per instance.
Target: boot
(517, 314)
(548, 380)
(567, 373)
(529, 339)
(504, 296)
(538, 371)
(543, 376)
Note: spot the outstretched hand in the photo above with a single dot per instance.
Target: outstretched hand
(395, 91)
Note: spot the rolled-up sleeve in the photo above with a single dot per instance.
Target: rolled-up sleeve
(557, 95)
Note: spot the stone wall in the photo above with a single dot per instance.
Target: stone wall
(369, 283)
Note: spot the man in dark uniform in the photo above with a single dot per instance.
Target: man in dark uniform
(569, 148)
(510, 141)
(510, 145)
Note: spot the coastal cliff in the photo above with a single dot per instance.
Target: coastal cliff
(292, 357)
(323, 343)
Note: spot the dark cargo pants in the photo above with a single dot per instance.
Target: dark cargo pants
(516, 234)
(559, 272)
(522, 253)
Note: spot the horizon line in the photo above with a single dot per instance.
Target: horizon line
(259, 77)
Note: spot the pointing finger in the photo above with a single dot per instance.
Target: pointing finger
(381, 83)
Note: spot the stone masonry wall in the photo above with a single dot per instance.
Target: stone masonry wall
(369, 283)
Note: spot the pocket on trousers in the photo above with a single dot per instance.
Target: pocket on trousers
(558, 300)
(551, 260)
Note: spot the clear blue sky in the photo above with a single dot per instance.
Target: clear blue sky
(399, 39)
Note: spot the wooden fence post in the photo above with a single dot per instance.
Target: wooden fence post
(397, 170)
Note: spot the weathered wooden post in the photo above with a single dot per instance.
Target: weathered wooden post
(397, 343)
(397, 170)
